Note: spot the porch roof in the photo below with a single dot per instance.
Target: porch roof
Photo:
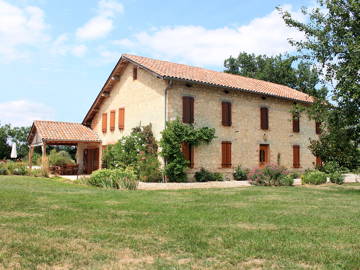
(52, 132)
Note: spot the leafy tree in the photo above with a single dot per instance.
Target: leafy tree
(5, 149)
(282, 69)
(332, 41)
(10, 134)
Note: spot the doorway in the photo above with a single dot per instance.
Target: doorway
(264, 157)
(91, 160)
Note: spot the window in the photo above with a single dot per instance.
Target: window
(264, 118)
(104, 122)
(296, 156)
(263, 155)
(121, 118)
(318, 162)
(226, 113)
(188, 152)
(135, 73)
(226, 154)
(296, 123)
(318, 127)
(188, 110)
(112, 120)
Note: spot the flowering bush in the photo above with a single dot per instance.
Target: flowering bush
(270, 175)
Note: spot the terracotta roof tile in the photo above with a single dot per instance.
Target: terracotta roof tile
(63, 131)
(169, 70)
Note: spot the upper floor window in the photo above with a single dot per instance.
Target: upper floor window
(296, 123)
(188, 110)
(264, 118)
(135, 73)
(112, 120)
(318, 127)
(104, 122)
(226, 113)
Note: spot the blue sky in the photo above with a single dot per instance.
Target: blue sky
(55, 55)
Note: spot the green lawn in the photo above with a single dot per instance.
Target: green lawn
(48, 224)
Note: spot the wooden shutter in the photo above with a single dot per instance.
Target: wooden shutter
(226, 113)
(296, 156)
(296, 123)
(226, 154)
(188, 152)
(188, 110)
(121, 118)
(112, 120)
(318, 162)
(134, 73)
(318, 127)
(104, 122)
(264, 118)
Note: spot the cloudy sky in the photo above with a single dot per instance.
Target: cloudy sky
(55, 55)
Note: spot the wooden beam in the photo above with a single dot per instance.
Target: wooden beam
(31, 152)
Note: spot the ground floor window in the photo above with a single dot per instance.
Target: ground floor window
(188, 152)
(226, 154)
(296, 156)
(263, 154)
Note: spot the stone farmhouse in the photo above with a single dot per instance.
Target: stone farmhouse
(253, 120)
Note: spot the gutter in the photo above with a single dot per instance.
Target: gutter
(169, 85)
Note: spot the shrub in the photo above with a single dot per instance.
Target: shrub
(294, 175)
(117, 178)
(4, 170)
(240, 173)
(286, 180)
(16, 168)
(336, 178)
(314, 177)
(204, 175)
(60, 158)
(149, 169)
(270, 175)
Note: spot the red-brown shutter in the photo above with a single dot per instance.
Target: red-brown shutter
(264, 118)
(226, 113)
(318, 162)
(188, 152)
(226, 154)
(121, 118)
(296, 124)
(104, 122)
(112, 120)
(318, 127)
(188, 110)
(134, 73)
(296, 156)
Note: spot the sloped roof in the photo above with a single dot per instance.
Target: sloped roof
(169, 70)
(51, 131)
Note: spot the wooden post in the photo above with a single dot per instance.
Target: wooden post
(43, 149)
(31, 152)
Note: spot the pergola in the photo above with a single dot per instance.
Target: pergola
(43, 133)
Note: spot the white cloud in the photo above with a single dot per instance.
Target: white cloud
(20, 27)
(62, 47)
(198, 45)
(102, 24)
(24, 112)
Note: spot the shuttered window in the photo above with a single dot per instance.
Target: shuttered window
(264, 118)
(121, 118)
(318, 162)
(318, 127)
(112, 120)
(188, 152)
(296, 156)
(226, 113)
(134, 73)
(104, 122)
(226, 154)
(296, 123)
(188, 110)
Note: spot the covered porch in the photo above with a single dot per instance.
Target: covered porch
(87, 143)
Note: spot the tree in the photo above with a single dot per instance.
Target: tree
(17, 135)
(332, 41)
(5, 149)
(282, 69)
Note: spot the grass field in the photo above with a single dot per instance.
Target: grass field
(48, 224)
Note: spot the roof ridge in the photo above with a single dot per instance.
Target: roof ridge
(64, 122)
(206, 69)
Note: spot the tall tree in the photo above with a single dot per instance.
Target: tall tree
(282, 69)
(332, 40)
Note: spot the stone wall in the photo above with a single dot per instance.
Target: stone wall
(245, 133)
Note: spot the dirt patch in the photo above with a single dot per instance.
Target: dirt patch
(18, 214)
